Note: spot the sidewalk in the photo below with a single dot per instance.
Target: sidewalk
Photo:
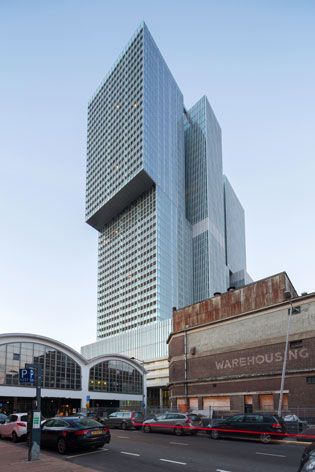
(13, 458)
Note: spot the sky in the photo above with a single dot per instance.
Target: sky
(255, 62)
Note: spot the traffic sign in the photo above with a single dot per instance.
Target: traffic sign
(27, 375)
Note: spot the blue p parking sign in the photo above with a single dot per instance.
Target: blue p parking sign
(27, 375)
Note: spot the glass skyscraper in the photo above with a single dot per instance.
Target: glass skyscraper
(171, 230)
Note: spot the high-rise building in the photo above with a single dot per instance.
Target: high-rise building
(204, 199)
(171, 230)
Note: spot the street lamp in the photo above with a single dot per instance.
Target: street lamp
(288, 296)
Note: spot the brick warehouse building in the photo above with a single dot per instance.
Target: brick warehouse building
(227, 352)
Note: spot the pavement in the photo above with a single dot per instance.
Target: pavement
(13, 458)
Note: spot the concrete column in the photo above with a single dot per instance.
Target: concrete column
(237, 403)
(161, 398)
(256, 405)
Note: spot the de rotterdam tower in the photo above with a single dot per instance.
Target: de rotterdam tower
(171, 229)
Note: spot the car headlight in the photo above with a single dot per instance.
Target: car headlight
(310, 466)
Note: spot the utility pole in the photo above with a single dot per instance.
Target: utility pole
(285, 356)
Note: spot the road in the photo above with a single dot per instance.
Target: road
(138, 451)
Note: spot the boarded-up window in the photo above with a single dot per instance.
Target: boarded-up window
(248, 400)
(266, 402)
(216, 403)
(193, 403)
(248, 404)
(181, 404)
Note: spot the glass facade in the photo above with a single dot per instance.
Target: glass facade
(234, 229)
(155, 194)
(204, 199)
(115, 376)
(136, 131)
(115, 129)
(127, 269)
(145, 343)
(164, 160)
(60, 371)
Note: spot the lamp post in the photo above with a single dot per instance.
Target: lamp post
(285, 356)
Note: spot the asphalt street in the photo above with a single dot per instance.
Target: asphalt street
(152, 452)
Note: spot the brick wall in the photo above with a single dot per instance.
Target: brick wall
(251, 297)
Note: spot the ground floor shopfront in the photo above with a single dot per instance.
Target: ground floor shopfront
(61, 406)
(69, 382)
(247, 395)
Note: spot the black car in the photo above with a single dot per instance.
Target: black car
(307, 463)
(262, 426)
(73, 433)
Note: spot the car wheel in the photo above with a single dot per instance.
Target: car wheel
(214, 434)
(146, 429)
(61, 446)
(178, 431)
(265, 438)
(123, 426)
(15, 438)
(193, 432)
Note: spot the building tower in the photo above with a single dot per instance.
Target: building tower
(156, 194)
(136, 190)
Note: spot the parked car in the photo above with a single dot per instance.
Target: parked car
(264, 427)
(307, 463)
(177, 423)
(3, 418)
(125, 419)
(73, 433)
(15, 427)
(294, 424)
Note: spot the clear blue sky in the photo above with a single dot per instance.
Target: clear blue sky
(255, 62)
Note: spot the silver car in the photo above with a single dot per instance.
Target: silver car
(177, 423)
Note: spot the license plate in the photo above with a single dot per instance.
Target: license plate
(97, 432)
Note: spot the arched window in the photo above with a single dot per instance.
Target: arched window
(115, 376)
(60, 371)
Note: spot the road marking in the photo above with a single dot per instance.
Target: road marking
(180, 444)
(129, 453)
(86, 453)
(122, 437)
(222, 470)
(173, 462)
(267, 454)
